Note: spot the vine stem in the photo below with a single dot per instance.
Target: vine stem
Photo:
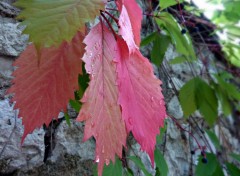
(110, 26)
(189, 132)
(115, 19)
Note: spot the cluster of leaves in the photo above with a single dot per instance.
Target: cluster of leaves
(118, 93)
(123, 94)
(227, 21)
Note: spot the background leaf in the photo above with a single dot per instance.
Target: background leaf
(140, 165)
(161, 163)
(167, 3)
(214, 139)
(115, 169)
(209, 168)
(233, 170)
(160, 46)
(197, 94)
(182, 42)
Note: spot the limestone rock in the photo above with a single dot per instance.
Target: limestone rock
(12, 43)
(13, 156)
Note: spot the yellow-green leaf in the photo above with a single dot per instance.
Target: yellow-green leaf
(49, 22)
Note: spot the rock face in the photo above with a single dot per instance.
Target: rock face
(58, 149)
(12, 43)
(13, 156)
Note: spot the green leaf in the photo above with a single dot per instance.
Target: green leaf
(207, 102)
(162, 132)
(75, 105)
(187, 97)
(231, 90)
(160, 46)
(139, 164)
(182, 42)
(233, 169)
(167, 3)
(223, 98)
(128, 172)
(197, 94)
(51, 22)
(115, 169)
(214, 139)
(227, 92)
(232, 52)
(178, 60)
(160, 163)
(209, 168)
(83, 81)
(235, 156)
(150, 38)
(218, 171)
(67, 118)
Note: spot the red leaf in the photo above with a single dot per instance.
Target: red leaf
(42, 91)
(100, 108)
(126, 30)
(135, 16)
(140, 97)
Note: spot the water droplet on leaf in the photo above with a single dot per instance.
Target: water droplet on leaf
(130, 121)
(152, 99)
(97, 159)
(107, 161)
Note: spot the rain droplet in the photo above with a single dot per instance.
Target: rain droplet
(130, 121)
(97, 159)
(107, 162)
(98, 56)
(97, 46)
(116, 83)
(152, 99)
(160, 102)
(92, 124)
(103, 150)
(90, 54)
(92, 76)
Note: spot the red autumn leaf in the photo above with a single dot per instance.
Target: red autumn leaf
(100, 108)
(135, 16)
(42, 91)
(126, 30)
(140, 97)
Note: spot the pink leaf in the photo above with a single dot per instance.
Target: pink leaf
(100, 108)
(140, 97)
(126, 30)
(135, 15)
(42, 91)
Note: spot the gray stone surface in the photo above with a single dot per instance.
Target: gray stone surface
(67, 155)
(7, 9)
(177, 151)
(13, 156)
(68, 140)
(174, 108)
(12, 43)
